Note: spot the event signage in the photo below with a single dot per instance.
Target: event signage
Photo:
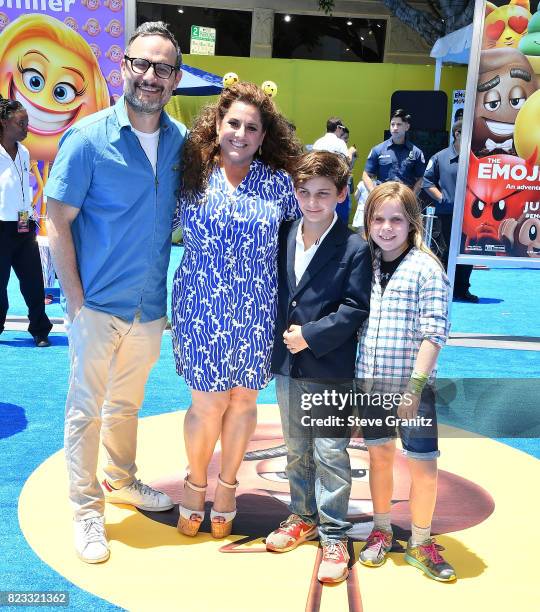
(501, 215)
(61, 60)
(458, 106)
(203, 40)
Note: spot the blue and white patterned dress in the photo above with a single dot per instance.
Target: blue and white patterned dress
(225, 290)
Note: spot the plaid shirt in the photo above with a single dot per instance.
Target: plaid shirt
(413, 307)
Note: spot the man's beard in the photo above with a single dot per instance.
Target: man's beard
(141, 106)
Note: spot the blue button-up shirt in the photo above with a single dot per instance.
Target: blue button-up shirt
(441, 172)
(392, 162)
(122, 235)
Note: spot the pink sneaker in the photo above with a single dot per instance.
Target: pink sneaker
(334, 566)
(290, 534)
(379, 542)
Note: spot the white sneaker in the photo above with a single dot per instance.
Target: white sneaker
(91, 540)
(139, 495)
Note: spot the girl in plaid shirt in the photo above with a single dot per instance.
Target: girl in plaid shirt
(399, 345)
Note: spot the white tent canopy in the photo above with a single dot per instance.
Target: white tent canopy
(454, 47)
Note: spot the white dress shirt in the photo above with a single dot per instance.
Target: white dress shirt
(15, 192)
(302, 256)
(330, 142)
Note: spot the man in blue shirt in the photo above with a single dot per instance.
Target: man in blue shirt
(111, 200)
(395, 159)
(440, 182)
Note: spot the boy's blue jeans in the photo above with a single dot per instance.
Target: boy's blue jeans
(318, 469)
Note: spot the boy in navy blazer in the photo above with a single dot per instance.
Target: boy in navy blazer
(324, 286)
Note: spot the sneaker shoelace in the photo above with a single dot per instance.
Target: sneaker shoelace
(334, 551)
(290, 523)
(93, 530)
(432, 551)
(376, 541)
(143, 489)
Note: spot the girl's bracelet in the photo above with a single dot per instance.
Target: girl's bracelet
(417, 382)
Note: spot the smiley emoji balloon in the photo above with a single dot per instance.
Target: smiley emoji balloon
(53, 72)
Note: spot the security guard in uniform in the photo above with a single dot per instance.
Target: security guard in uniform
(395, 159)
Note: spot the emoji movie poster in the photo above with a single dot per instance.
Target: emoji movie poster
(61, 60)
(502, 203)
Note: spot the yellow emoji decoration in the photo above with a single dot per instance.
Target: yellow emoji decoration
(230, 79)
(505, 25)
(53, 72)
(269, 88)
(527, 127)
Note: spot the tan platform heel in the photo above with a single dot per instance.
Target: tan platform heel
(221, 529)
(190, 521)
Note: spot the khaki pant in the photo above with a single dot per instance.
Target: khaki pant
(110, 363)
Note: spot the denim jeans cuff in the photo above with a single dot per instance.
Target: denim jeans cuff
(329, 539)
(421, 456)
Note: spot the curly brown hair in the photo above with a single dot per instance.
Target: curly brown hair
(279, 150)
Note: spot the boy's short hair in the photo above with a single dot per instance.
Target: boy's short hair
(321, 163)
(333, 123)
(401, 114)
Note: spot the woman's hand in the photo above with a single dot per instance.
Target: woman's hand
(294, 340)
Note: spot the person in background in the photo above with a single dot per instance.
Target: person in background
(18, 245)
(440, 182)
(343, 209)
(395, 159)
(111, 201)
(332, 141)
(353, 155)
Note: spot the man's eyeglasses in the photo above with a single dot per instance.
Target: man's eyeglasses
(140, 65)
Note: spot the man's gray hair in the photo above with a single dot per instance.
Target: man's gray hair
(157, 28)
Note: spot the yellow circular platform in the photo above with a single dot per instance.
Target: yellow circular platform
(484, 488)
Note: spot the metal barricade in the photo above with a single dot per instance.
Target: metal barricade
(428, 217)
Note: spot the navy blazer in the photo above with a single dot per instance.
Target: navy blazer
(330, 303)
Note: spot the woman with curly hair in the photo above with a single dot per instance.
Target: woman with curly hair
(236, 192)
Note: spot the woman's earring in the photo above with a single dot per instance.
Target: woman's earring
(260, 150)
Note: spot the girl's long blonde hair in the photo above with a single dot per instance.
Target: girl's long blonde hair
(392, 190)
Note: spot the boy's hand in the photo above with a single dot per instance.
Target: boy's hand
(409, 409)
(294, 340)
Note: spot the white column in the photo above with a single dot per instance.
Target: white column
(262, 32)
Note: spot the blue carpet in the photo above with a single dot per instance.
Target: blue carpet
(508, 301)
(33, 384)
(17, 307)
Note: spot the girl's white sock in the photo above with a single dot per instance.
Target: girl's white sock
(419, 535)
(382, 521)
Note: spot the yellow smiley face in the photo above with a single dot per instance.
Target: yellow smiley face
(56, 84)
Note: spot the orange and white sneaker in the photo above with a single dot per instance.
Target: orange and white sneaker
(290, 534)
(334, 566)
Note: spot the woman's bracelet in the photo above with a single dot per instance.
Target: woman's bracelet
(417, 382)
